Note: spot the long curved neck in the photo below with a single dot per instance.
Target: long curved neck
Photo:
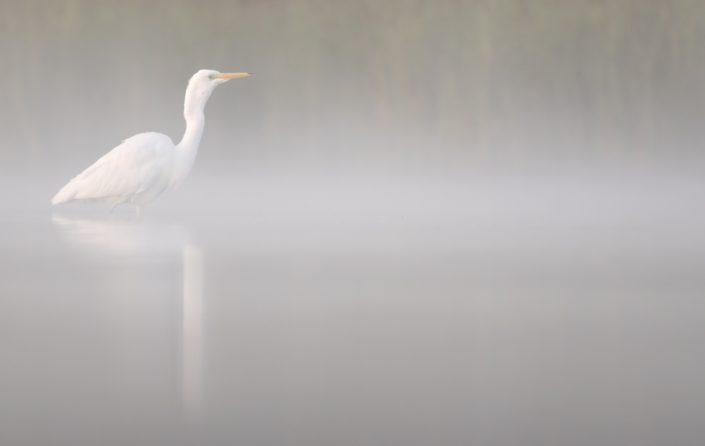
(186, 150)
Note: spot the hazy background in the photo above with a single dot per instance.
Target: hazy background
(399, 84)
(418, 223)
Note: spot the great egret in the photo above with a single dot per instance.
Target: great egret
(142, 167)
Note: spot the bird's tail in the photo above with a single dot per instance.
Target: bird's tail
(67, 193)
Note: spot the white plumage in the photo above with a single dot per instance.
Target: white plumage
(145, 165)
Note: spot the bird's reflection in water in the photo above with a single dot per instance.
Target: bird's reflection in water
(192, 338)
(127, 238)
(130, 241)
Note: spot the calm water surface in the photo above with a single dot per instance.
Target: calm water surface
(491, 312)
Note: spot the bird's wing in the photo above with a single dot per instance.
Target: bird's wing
(130, 168)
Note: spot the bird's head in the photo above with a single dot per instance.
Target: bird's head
(201, 85)
(209, 79)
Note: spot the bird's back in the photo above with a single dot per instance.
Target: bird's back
(139, 167)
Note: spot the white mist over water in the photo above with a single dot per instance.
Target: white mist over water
(450, 222)
(489, 309)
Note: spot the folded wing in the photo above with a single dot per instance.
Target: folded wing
(130, 168)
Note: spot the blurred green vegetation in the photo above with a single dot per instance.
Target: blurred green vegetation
(402, 82)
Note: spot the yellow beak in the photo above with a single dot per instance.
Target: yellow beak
(228, 76)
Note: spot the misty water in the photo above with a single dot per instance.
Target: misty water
(473, 222)
(486, 309)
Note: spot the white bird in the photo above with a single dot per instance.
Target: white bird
(142, 167)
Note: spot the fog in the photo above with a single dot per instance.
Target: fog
(399, 85)
(451, 222)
